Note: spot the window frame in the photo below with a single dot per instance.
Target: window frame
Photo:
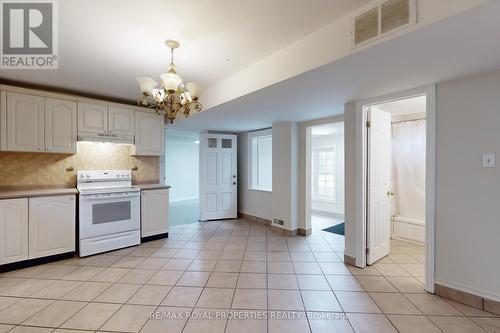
(252, 136)
(316, 172)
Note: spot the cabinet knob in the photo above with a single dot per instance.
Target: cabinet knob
(40, 148)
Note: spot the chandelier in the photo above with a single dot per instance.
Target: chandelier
(173, 96)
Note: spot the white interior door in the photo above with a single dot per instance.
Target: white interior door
(218, 177)
(379, 186)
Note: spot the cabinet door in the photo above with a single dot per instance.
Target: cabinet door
(92, 118)
(60, 126)
(149, 134)
(51, 225)
(25, 122)
(154, 212)
(13, 230)
(121, 121)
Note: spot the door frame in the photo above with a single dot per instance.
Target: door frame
(430, 175)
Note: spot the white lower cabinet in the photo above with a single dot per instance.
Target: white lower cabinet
(154, 212)
(51, 225)
(13, 230)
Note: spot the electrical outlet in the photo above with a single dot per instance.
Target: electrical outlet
(278, 221)
(488, 160)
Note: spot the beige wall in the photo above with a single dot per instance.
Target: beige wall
(467, 195)
(17, 168)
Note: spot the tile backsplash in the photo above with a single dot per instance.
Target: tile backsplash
(18, 168)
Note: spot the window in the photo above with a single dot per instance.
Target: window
(323, 174)
(261, 160)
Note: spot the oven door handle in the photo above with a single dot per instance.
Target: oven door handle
(108, 197)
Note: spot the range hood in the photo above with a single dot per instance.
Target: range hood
(105, 137)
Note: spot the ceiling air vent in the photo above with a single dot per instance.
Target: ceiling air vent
(382, 18)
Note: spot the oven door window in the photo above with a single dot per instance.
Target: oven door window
(111, 212)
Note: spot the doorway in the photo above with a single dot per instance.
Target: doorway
(395, 186)
(182, 173)
(325, 174)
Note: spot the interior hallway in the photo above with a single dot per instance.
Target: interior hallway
(217, 267)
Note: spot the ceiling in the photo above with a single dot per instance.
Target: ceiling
(405, 106)
(105, 45)
(414, 59)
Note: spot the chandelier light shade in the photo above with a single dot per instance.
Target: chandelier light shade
(173, 96)
(146, 84)
(193, 89)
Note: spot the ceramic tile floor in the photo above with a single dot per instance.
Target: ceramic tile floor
(231, 276)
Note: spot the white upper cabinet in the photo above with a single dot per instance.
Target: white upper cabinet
(92, 118)
(149, 134)
(13, 230)
(49, 122)
(60, 126)
(101, 119)
(51, 225)
(121, 121)
(25, 122)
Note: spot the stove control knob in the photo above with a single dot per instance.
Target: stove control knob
(88, 176)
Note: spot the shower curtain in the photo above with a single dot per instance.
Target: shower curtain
(408, 176)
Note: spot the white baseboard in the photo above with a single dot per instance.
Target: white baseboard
(473, 291)
(184, 199)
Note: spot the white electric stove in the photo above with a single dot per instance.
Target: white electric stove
(109, 211)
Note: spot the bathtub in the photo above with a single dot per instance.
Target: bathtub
(408, 229)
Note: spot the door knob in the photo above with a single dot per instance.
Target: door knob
(389, 193)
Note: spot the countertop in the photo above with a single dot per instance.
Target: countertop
(12, 192)
(155, 186)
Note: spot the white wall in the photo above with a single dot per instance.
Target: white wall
(335, 141)
(251, 202)
(285, 173)
(282, 201)
(182, 167)
(353, 166)
(467, 195)
(298, 57)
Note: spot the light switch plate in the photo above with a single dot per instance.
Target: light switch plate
(488, 160)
